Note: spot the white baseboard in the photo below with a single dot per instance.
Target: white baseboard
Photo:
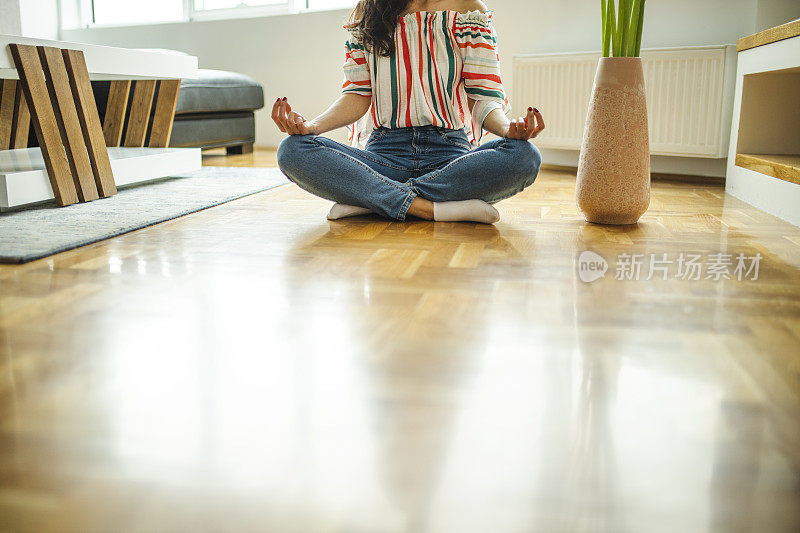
(686, 166)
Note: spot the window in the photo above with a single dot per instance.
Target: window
(204, 5)
(328, 4)
(148, 11)
(211, 9)
(116, 12)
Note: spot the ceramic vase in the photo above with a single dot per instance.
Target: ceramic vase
(613, 184)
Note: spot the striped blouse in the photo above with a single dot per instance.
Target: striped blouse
(440, 59)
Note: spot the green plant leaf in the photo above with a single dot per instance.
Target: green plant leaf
(603, 25)
(606, 33)
(622, 26)
(627, 35)
(634, 25)
(611, 18)
(640, 25)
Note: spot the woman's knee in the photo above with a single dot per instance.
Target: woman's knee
(528, 159)
(292, 150)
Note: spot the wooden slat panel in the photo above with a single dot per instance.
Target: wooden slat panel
(116, 107)
(90, 121)
(29, 68)
(7, 92)
(165, 113)
(140, 113)
(21, 125)
(67, 120)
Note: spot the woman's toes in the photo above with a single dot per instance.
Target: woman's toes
(343, 210)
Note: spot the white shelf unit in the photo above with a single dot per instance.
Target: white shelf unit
(23, 179)
(766, 120)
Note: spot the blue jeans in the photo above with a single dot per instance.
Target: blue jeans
(400, 164)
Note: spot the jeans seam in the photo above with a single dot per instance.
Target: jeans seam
(377, 174)
(401, 214)
(448, 165)
(459, 145)
(462, 158)
(447, 139)
(368, 154)
(456, 144)
(375, 160)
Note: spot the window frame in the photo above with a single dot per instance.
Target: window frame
(191, 14)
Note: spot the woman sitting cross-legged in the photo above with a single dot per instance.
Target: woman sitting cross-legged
(428, 73)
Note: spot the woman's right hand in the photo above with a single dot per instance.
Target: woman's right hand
(290, 122)
(526, 127)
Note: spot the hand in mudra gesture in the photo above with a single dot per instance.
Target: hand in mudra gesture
(527, 127)
(290, 122)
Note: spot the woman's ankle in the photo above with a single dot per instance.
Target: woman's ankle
(421, 208)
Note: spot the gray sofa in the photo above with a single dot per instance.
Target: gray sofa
(215, 110)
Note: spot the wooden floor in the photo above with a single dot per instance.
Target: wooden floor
(254, 367)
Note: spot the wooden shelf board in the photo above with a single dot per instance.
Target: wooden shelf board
(784, 167)
(778, 33)
(23, 175)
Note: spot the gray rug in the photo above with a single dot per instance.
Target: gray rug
(45, 229)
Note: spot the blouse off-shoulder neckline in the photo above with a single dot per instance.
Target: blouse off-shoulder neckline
(475, 15)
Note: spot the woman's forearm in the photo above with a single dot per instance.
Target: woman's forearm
(497, 122)
(523, 128)
(347, 109)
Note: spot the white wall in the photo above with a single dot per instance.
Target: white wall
(9, 17)
(299, 56)
(773, 13)
(39, 18)
(31, 18)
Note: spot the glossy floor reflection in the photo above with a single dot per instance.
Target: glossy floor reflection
(254, 367)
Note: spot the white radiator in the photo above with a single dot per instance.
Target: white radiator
(689, 97)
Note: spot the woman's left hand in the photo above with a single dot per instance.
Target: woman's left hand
(527, 127)
(290, 122)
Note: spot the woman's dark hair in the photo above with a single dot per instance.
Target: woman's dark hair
(374, 22)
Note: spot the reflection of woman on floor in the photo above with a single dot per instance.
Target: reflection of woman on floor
(428, 73)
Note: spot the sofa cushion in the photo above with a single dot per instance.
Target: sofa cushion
(218, 90)
(209, 130)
